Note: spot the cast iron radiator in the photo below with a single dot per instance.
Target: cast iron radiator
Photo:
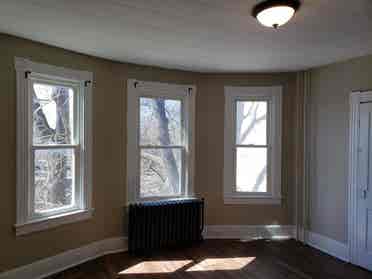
(160, 224)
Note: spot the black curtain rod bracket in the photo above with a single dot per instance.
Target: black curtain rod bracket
(27, 73)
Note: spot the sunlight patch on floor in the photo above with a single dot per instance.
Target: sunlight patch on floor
(219, 264)
(152, 267)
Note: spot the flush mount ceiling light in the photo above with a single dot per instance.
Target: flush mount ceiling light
(274, 13)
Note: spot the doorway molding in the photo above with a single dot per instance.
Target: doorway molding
(356, 98)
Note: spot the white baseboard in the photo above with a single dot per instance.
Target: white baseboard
(46, 267)
(249, 232)
(327, 245)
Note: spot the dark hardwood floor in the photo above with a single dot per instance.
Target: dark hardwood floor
(222, 259)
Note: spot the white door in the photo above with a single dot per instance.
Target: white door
(364, 202)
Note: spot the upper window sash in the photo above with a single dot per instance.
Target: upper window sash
(268, 100)
(183, 124)
(78, 88)
(186, 94)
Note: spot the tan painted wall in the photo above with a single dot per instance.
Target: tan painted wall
(329, 124)
(210, 134)
(109, 141)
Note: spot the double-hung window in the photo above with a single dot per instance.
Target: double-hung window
(252, 151)
(53, 146)
(160, 140)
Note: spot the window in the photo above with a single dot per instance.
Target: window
(252, 152)
(53, 146)
(160, 140)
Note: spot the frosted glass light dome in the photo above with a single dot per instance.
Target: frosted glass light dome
(275, 13)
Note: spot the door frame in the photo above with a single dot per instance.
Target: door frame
(356, 98)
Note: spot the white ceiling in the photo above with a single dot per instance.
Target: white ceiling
(198, 35)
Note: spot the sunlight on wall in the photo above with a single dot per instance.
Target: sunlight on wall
(150, 267)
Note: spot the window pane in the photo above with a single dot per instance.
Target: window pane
(251, 123)
(160, 121)
(52, 108)
(251, 169)
(160, 172)
(54, 179)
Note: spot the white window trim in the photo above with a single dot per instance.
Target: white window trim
(274, 95)
(24, 224)
(137, 89)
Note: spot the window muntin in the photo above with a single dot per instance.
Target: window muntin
(55, 144)
(161, 148)
(251, 146)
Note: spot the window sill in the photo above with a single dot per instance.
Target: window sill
(52, 222)
(252, 200)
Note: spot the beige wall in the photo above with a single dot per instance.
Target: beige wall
(329, 124)
(210, 134)
(109, 141)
